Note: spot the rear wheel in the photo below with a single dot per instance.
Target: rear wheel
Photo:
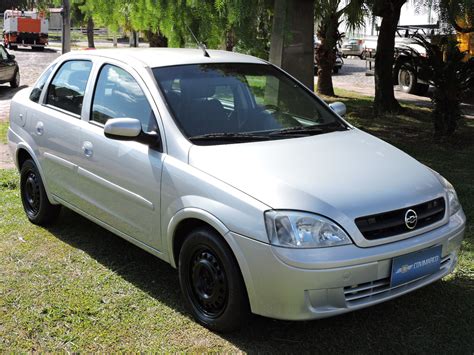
(407, 79)
(37, 207)
(211, 283)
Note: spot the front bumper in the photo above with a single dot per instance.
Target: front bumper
(300, 284)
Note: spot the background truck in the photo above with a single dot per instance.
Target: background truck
(25, 28)
(408, 55)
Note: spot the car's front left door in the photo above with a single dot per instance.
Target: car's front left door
(120, 180)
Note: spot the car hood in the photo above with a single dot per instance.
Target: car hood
(343, 175)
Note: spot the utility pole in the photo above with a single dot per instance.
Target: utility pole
(66, 33)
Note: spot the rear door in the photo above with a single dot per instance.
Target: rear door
(56, 128)
(120, 181)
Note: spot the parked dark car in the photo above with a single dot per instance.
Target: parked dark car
(9, 70)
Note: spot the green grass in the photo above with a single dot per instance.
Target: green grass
(3, 132)
(76, 287)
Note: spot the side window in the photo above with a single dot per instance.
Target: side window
(36, 92)
(118, 95)
(225, 95)
(66, 91)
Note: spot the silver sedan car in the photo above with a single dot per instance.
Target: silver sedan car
(229, 169)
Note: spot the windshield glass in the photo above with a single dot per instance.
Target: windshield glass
(241, 102)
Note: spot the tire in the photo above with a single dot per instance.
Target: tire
(335, 70)
(37, 207)
(212, 285)
(16, 80)
(407, 79)
(362, 55)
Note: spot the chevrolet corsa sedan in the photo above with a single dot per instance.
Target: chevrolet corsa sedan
(227, 168)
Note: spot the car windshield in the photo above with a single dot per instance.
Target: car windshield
(236, 102)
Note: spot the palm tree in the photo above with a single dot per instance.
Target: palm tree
(328, 15)
(445, 68)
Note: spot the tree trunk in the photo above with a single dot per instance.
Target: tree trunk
(133, 39)
(326, 54)
(230, 40)
(90, 33)
(292, 46)
(66, 29)
(156, 39)
(385, 101)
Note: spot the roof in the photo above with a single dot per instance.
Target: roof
(161, 57)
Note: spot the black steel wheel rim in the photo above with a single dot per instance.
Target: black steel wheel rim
(209, 285)
(32, 193)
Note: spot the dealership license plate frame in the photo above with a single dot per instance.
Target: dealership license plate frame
(410, 267)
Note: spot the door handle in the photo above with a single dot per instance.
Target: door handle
(87, 149)
(39, 128)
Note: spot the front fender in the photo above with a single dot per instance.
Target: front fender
(190, 213)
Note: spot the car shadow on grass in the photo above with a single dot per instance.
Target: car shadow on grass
(437, 317)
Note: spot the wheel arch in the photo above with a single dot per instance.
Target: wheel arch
(188, 218)
(184, 221)
(23, 153)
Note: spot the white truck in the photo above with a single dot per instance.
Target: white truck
(25, 28)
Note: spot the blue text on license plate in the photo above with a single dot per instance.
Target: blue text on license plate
(413, 266)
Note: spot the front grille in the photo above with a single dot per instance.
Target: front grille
(392, 223)
(374, 290)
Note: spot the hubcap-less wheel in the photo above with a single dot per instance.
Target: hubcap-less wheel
(32, 194)
(212, 285)
(209, 283)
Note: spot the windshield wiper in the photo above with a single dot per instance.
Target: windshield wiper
(233, 137)
(308, 130)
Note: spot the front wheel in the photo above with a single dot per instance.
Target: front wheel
(16, 80)
(37, 207)
(212, 285)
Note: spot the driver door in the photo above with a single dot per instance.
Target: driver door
(120, 181)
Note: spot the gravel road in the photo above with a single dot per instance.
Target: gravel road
(31, 66)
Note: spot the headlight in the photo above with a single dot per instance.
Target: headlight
(453, 201)
(303, 230)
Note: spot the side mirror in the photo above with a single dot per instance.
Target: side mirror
(11, 56)
(339, 108)
(130, 129)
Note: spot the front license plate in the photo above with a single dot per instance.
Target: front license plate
(413, 266)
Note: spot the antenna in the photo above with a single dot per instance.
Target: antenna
(199, 44)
